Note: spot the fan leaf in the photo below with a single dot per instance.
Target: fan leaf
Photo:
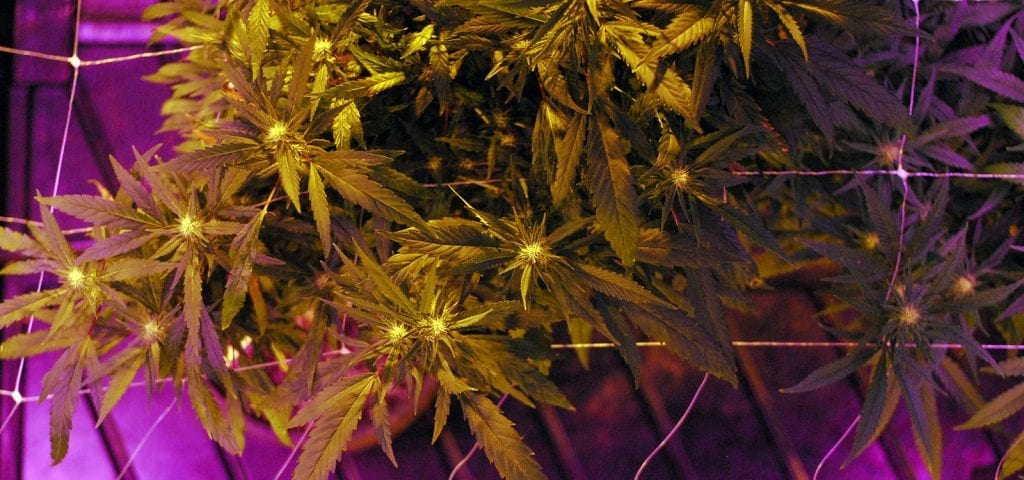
(833, 372)
(338, 415)
(499, 439)
(611, 185)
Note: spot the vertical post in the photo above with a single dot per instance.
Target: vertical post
(10, 439)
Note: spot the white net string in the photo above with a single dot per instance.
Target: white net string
(899, 172)
(76, 63)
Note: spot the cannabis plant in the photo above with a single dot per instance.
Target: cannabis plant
(375, 194)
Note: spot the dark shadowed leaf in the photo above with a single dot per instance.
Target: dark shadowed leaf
(833, 372)
(879, 405)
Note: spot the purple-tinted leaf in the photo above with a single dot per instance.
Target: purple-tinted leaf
(686, 338)
(954, 128)
(990, 77)
(991, 202)
(1015, 308)
(750, 225)
(966, 56)
(657, 247)
(865, 267)
(212, 345)
(63, 381)
(703, 293)
(131, 186)
(946, 155)
(1018, 44)
(807, 91)
(834, 70)
(983, 14)
(98, 210)
(997, 44)
(116, 245)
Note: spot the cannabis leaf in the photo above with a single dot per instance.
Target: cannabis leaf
(500, 441)
(337, 410)
(615, 198)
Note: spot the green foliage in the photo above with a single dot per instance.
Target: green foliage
(591, 152)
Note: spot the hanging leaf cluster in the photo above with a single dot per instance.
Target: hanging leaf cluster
(375, 194)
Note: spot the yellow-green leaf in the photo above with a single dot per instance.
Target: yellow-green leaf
(920, 402)
(568, 151)
(611, 186)
(618, 286)
(329, 438)
(120, 380)
(382, 428)
(258, 25)
(418, 40)
(692, 31)
(288, 172)
(242, 248)
(27, 304)
(1001, 407)
(321, 212)
(34, 343)
(746, 32)
(499, 439)
(1013, 461)
(791, 26)
(442, 407)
